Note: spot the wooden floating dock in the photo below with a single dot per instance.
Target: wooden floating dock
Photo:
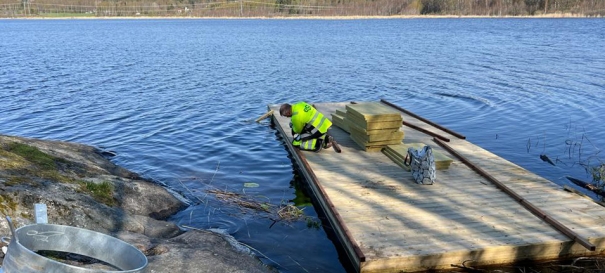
(388, 223)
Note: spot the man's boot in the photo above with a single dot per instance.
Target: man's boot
(328, 142)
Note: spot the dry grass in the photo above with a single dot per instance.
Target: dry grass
(283, 212)
(11, 161)
(23, 164)
(240, 200)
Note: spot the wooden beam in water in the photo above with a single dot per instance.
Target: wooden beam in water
(266, 115)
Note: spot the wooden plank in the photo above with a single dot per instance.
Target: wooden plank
(433, 248)
(373, 112)
(396, 159)
(419, 227)
(398, 153)
(362, 142)
(368, 147)
(402, 149)
(340, 122)
(446, 257)
(461, 235)
(341, 112)
(361, 125)
(378, 135)
(443, 241)
(392, 196)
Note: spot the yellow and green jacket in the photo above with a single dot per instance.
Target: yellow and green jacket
(308, 121)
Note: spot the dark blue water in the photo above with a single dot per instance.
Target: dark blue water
(177, 99)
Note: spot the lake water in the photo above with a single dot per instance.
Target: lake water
(177, 100)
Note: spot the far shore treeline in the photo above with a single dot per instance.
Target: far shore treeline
(298, 8)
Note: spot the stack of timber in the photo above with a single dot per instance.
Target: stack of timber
(338, 119)
(373, 125)
(398, 152)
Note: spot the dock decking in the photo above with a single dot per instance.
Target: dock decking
(388, 223)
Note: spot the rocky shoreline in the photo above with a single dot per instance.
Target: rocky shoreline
(82, 188)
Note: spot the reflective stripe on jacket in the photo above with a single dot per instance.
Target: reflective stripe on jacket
(303, 114)
(310, 144)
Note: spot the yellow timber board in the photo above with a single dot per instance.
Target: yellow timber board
(388, 223)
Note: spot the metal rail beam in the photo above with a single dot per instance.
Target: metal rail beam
(526, 204)
(424, 119)
(433, 134)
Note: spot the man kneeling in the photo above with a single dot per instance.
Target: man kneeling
(309, 126)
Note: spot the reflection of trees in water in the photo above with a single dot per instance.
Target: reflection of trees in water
(301, 198)
(263, 8)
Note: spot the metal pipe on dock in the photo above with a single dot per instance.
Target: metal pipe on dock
(526, 204)
(433, 134)
(424, 119)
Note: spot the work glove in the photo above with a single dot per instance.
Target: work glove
(297, 137)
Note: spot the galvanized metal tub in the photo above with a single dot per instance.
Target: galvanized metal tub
(21, 256)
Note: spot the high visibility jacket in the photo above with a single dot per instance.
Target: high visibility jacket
(306, 119)
(309, 144)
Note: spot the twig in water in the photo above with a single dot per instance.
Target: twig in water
(261, 254)
(190, 192)
(247, 229)
(583, 136)
(522, 269)
(215, 171)
(580, 149)
(274, 221)
(285, 237)
(586, 259)
(298, 264)
(568, 143)
(543, 144)
(560, 161)
(572, 267)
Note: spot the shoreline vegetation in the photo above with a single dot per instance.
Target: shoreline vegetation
(299, 9)
(357, 17)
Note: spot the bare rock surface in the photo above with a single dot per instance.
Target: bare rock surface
(81, 188)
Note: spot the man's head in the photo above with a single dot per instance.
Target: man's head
(285, 110)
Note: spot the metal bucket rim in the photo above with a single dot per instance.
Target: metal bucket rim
(26, 249)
